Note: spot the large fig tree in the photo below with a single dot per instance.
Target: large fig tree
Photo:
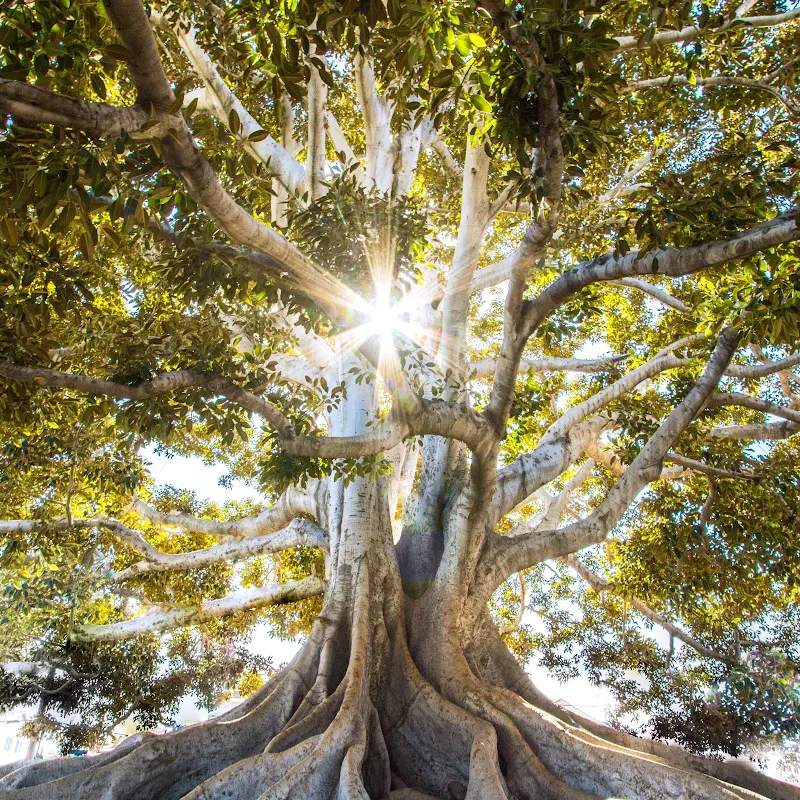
(487, 299)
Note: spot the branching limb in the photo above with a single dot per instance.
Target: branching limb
(692, 32)
(744, 400)
(558, 449)
(446, 157)
(193, 169)
(601, 585)
(655, 292)
(506, 556)
(555, 506)
(163, 383)
(486, 368)
(126, 535)
(428, 417)
(292, 503)
(517, 482)
(299, 533)
(377, 114)
(39, 105)
(613, 463)
(472, 225)
(343, 147)
(542, 227)
(409, 146)
(602, 398)
(718, 80)
(244, 600)
(222, 101)
(758, 431)
(693, 465)
(762, 370)
(671, 261)
(315, 139)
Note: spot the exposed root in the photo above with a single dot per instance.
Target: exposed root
(498, 666)
(353, 718)
(169, 766)
(246, 779)
(33, 773)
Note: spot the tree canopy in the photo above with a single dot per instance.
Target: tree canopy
(556, 243)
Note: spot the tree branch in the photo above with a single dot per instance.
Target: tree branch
(691, 32)
(196, 173)
(517, 482)
(762, 370)
(557, 449)
(744, 400)
(161, 384)
(671, 261)
(289, 505)
(446, 157)
(758, 431)
(244, 600)
(128, 536)
(504, 556)
(655, 292)
(716, 80)
(39, 105)
(342, 146)
(223, 101)
(315, 139)
(540, 230)
(485, 368)
(299, 533)
(377, 114)
(428, 417)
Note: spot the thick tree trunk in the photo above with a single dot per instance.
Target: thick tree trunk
(389, 697)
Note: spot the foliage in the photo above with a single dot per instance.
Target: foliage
(109, 269)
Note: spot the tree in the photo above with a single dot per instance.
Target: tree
(270, 234)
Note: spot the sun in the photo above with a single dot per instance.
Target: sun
(383, 319)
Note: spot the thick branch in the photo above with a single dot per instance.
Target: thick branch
(128, 536)
(717, 80)
(244, 600)
(485, 368)
(377, 114)
(299, 533)
(691, 32)
(517, 482)
(744, 400)
(767, 431)
(292, 503)
(506, 556)
(223, 101)
(672, 261)
(762, 370)
(39, 105)
(557, 449)
(315, 138)
(161, 384)
(655, 292)
(429, 417)
(198, 176)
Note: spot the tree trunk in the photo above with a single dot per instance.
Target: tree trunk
(391, 697)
